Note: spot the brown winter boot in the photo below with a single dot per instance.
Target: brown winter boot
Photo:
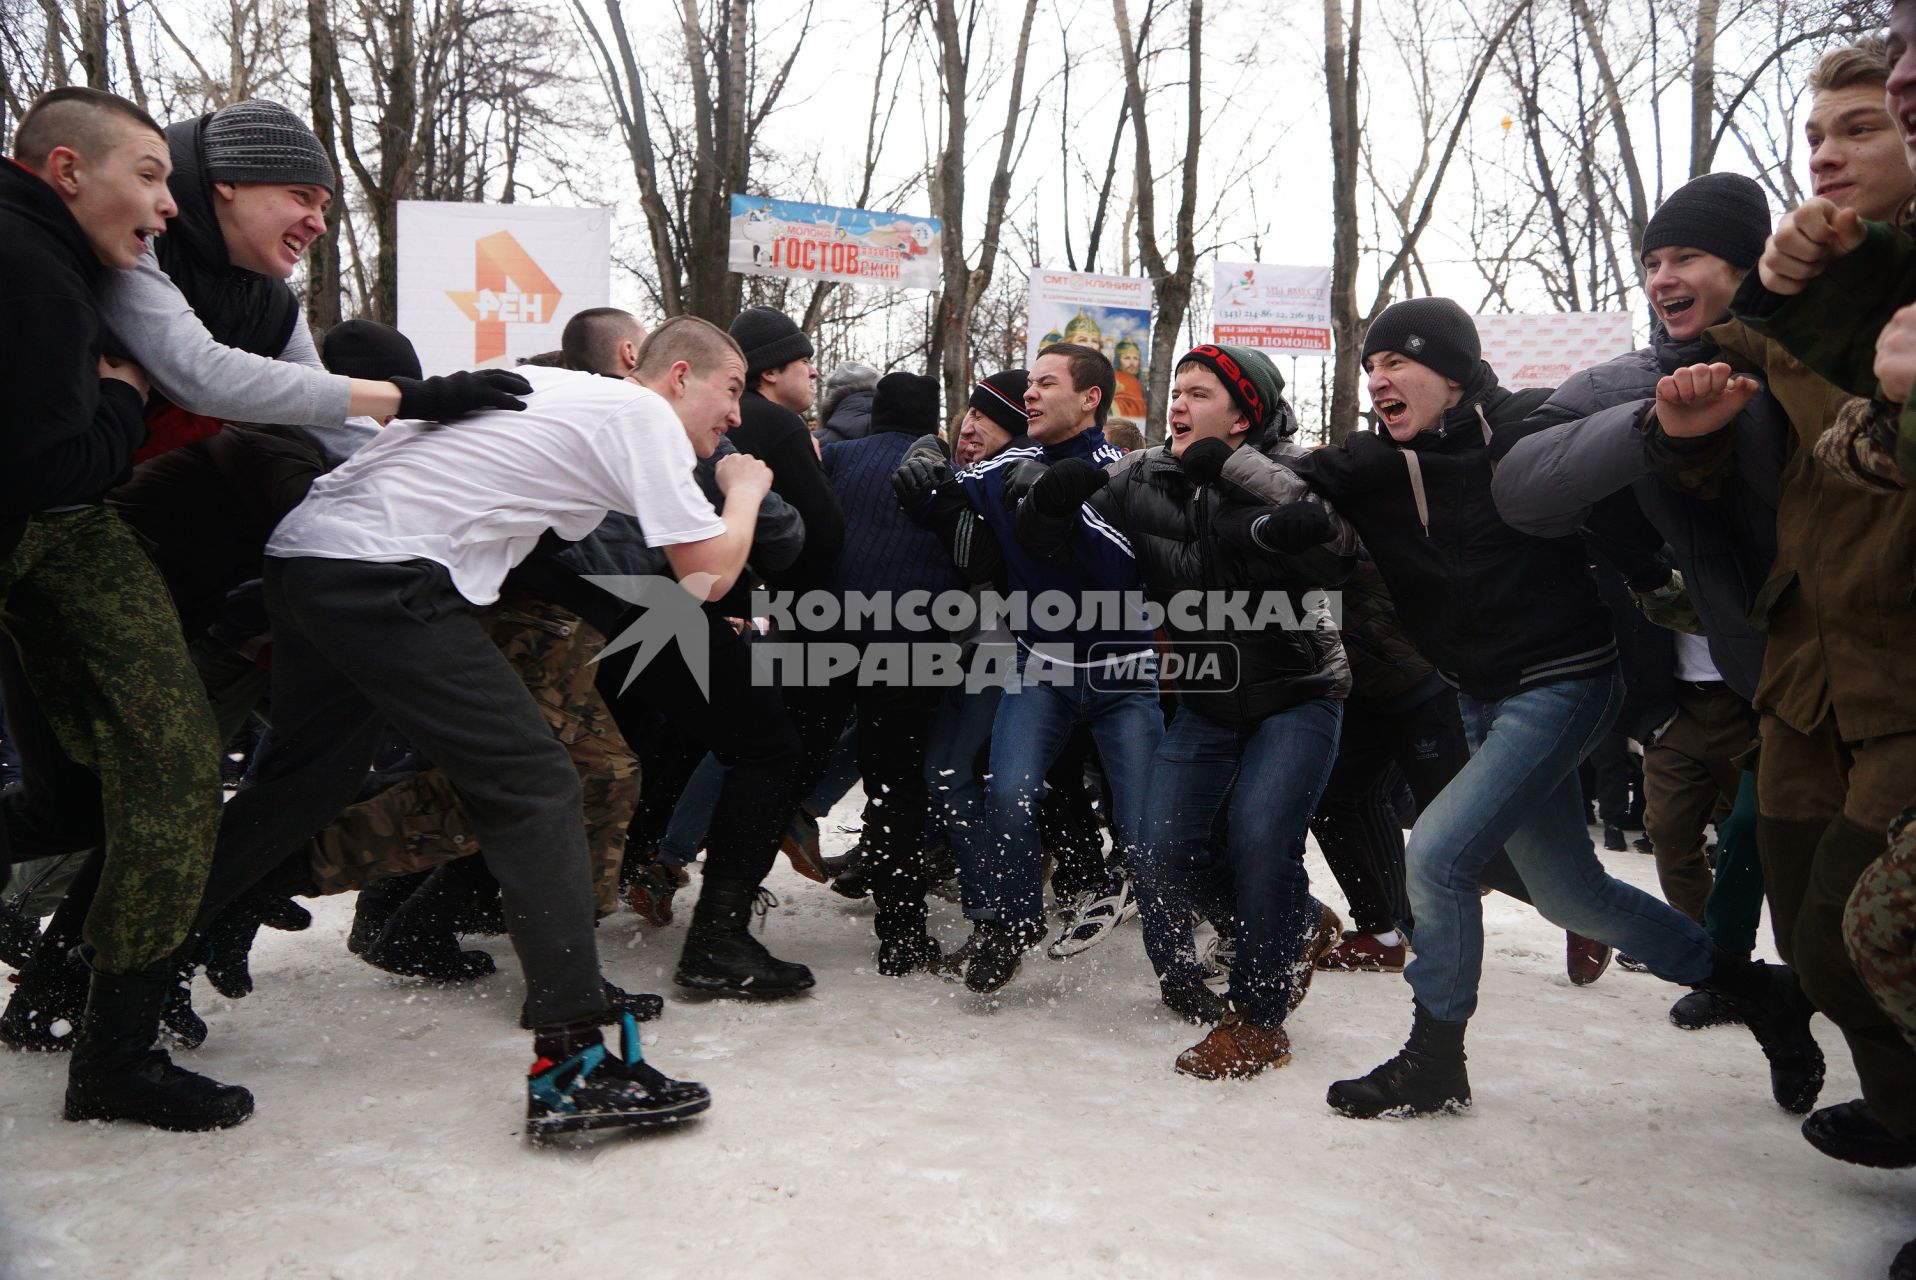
(1319, 942)
(1236, 1049)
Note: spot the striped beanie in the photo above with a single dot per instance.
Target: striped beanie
(1001, 397)
(262, 142)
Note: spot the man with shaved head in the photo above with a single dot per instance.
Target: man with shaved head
(603, 340)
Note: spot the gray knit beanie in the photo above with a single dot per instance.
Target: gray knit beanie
(262, 142)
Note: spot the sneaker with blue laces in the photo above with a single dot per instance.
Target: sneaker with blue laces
(594, 1089)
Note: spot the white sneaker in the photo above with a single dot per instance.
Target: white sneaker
(1219, 952)
(1094, 914)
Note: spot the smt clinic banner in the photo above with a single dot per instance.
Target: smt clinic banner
(825, 242)
(487, 284)
(1111, 313)
(1279, 310)
(1541, 351)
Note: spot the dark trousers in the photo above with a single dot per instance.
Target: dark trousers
(1687, 772)
(894, 724)
(1824, 807)
(742, 723)
(357, 645)
(1356, 825)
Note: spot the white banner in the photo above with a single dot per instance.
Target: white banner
(1541, 351)
(1279, 310)
(486, 284)
(1110, 313)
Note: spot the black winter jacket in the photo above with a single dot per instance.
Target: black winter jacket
(1261, 670)
(66, 434)
(778, 438)
(1494, 610)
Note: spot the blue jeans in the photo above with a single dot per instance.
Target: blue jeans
(692, 815)
(959, 731)
(1027, 733)
(1520, 791)
(1225, 815)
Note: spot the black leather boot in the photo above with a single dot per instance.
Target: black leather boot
(117, 1074)
(904, 944)
(1426, 1075)
(419, 941)
(1778, 1014)
(722, 957)
(48, 999)
(375, 906)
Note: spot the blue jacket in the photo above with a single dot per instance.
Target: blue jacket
(1102, 560)
(883, 551)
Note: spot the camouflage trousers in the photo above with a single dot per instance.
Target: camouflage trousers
(420, 823)
(100, 642)
(1879, 926)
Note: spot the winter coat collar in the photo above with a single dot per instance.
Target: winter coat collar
(26, 195)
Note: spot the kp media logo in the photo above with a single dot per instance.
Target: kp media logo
(508, 288)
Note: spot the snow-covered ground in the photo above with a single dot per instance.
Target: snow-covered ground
(907, 1128)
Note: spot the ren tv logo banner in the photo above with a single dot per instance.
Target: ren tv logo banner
(490, 284)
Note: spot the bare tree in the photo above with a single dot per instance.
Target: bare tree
(688, 170)
(1171, 281)
(952, 38)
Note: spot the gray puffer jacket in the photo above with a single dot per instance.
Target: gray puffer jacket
(1590, 441)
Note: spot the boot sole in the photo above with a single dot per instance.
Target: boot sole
(728, 987)
(545, 1130)
(171, 1124)
(1449, 1106)
(1228, 1074)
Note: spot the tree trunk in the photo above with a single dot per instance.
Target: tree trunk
(93, 54)
(322, 259)
(1340, 75)
(1703, 88)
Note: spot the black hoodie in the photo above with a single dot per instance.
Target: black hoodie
(66, 434)
(1494, 610)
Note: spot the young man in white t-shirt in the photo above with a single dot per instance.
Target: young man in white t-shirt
(371, 584)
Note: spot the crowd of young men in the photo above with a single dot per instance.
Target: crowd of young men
(195, 493)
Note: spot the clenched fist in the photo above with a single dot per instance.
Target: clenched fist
(1896, 355)
(742, 476)
(1805, 242)
(1702, 398)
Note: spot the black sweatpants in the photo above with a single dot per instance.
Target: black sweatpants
(1357, 827)
(357, 645)
(744, 724)
(894, 724)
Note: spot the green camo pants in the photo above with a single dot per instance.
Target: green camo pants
(100, 641)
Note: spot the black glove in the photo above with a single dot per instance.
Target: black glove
(1204, 460)
(452, 396)
(1282, 530)
(1019, 478)
(1065, 485)
(917, 478)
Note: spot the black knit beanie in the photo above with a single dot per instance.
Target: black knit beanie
(906, 402)
(1721, 213)
(1001, 397)
(366, 349)
(1254, 384)
(1434, 332)
(769, 339)
(262, 142)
